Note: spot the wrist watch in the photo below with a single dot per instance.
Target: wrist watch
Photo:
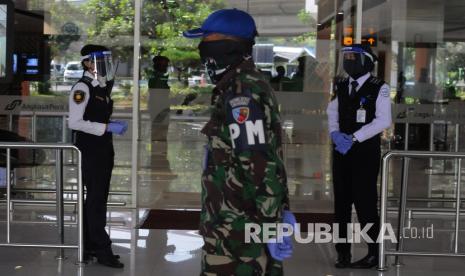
(354, 139)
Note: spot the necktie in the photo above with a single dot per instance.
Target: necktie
(353, 90)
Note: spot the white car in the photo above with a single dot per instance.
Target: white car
(73, 71)
(197, 80)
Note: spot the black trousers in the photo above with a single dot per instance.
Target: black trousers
(97, 165)
(355, 177)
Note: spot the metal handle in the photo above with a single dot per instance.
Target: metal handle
(58, 147)
(59, 199)
(384, 198)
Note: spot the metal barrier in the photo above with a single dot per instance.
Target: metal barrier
(59, 197)
(403, 200)
(64, 131)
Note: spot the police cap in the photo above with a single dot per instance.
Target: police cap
(91, 48)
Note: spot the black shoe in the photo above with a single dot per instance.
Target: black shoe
(90, 254)
(107, 258)
(110, 261)
(343, 260)
(368, 262)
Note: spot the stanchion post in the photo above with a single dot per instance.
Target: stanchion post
(457, 206)
(383, 213)
(80, 211)
(402, 208)
(456, 148)
(8, 195)
(59, 199)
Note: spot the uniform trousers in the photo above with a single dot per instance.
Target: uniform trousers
(97, 166)
(219, 258)
(355, 182)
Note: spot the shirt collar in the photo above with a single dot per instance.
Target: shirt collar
(94, 82)
(88, 74)
(361, 80)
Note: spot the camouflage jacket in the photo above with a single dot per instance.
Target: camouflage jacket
(244, 178)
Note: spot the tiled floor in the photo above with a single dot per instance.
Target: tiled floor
(177, 253)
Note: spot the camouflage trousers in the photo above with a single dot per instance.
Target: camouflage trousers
(229, 265)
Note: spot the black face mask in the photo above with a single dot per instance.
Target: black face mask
(355, 68)
(218, 56)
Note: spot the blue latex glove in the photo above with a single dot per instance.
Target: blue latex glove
(116, 128)
(279, 251)
(283, 250)
(344, 147)
(340, 138)
(124, 123)
(2, 177)
(289, 218)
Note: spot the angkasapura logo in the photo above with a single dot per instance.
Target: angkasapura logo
(11, 106)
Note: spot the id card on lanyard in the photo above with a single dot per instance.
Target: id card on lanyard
(361, 112)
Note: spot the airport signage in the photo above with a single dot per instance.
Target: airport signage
(18, 104)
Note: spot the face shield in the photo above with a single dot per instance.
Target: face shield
(103, 64)
(355, 62)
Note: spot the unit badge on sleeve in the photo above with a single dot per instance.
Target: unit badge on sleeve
(79, 96)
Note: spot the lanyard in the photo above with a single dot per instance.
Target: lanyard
(363, 101)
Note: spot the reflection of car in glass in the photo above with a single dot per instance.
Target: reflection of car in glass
(194, 80)
(197, 80)
(73, 71)
(57, 70)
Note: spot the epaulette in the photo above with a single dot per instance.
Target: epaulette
(377, 81)
(86, 79)
(337, 82)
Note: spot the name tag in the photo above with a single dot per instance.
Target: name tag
(361, 115)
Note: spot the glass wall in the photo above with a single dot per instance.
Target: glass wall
(48, 36)
(419, 43)
(176, 103)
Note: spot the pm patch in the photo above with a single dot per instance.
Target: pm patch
(241, 114)
(79, 96)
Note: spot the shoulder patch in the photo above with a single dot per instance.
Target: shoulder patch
(240, 114)
(79, 96)
(384, 91)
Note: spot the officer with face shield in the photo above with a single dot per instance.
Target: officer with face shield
(244, 178)
(358, 113)
(90, 109)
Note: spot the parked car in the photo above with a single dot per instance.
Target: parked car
(73, 71)
(197, 80)
(56, 71)
(57, 68)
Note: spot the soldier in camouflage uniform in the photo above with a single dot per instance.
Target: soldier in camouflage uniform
(244, 179)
